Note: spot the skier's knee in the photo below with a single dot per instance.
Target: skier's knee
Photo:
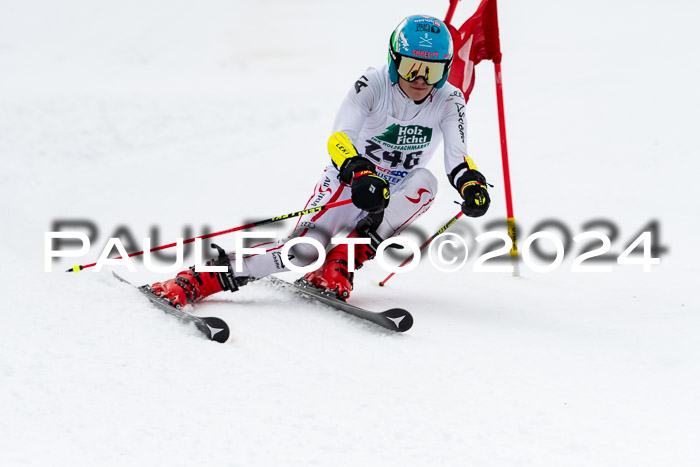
(421, 178)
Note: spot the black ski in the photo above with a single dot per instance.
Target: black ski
(394, 319)
(214, 329)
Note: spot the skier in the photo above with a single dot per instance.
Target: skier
(396, 115)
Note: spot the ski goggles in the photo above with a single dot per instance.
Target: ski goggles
(410, 69)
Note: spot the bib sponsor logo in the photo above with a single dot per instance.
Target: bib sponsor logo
(391, 176)
(399, 136)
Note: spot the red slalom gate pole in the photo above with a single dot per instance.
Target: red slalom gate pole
(235, 229)
(482, 28)
(506, 171)
(442, 229)
(451, 11)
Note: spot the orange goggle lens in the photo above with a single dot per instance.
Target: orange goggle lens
(411, 69)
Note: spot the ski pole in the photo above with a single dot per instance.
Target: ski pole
(235, 229)
(442, 229)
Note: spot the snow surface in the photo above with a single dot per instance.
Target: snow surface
(170, 114)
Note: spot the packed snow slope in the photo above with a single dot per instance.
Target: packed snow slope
(148, 118)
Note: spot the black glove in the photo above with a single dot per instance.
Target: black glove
(472, 187)
(369, 192)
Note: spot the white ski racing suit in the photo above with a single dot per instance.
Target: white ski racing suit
(400, 137)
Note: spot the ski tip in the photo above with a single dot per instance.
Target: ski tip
(402, 319)
(218, 329)
(120, 278)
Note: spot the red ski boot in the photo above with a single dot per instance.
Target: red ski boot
(334, 274)
(190, 286)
